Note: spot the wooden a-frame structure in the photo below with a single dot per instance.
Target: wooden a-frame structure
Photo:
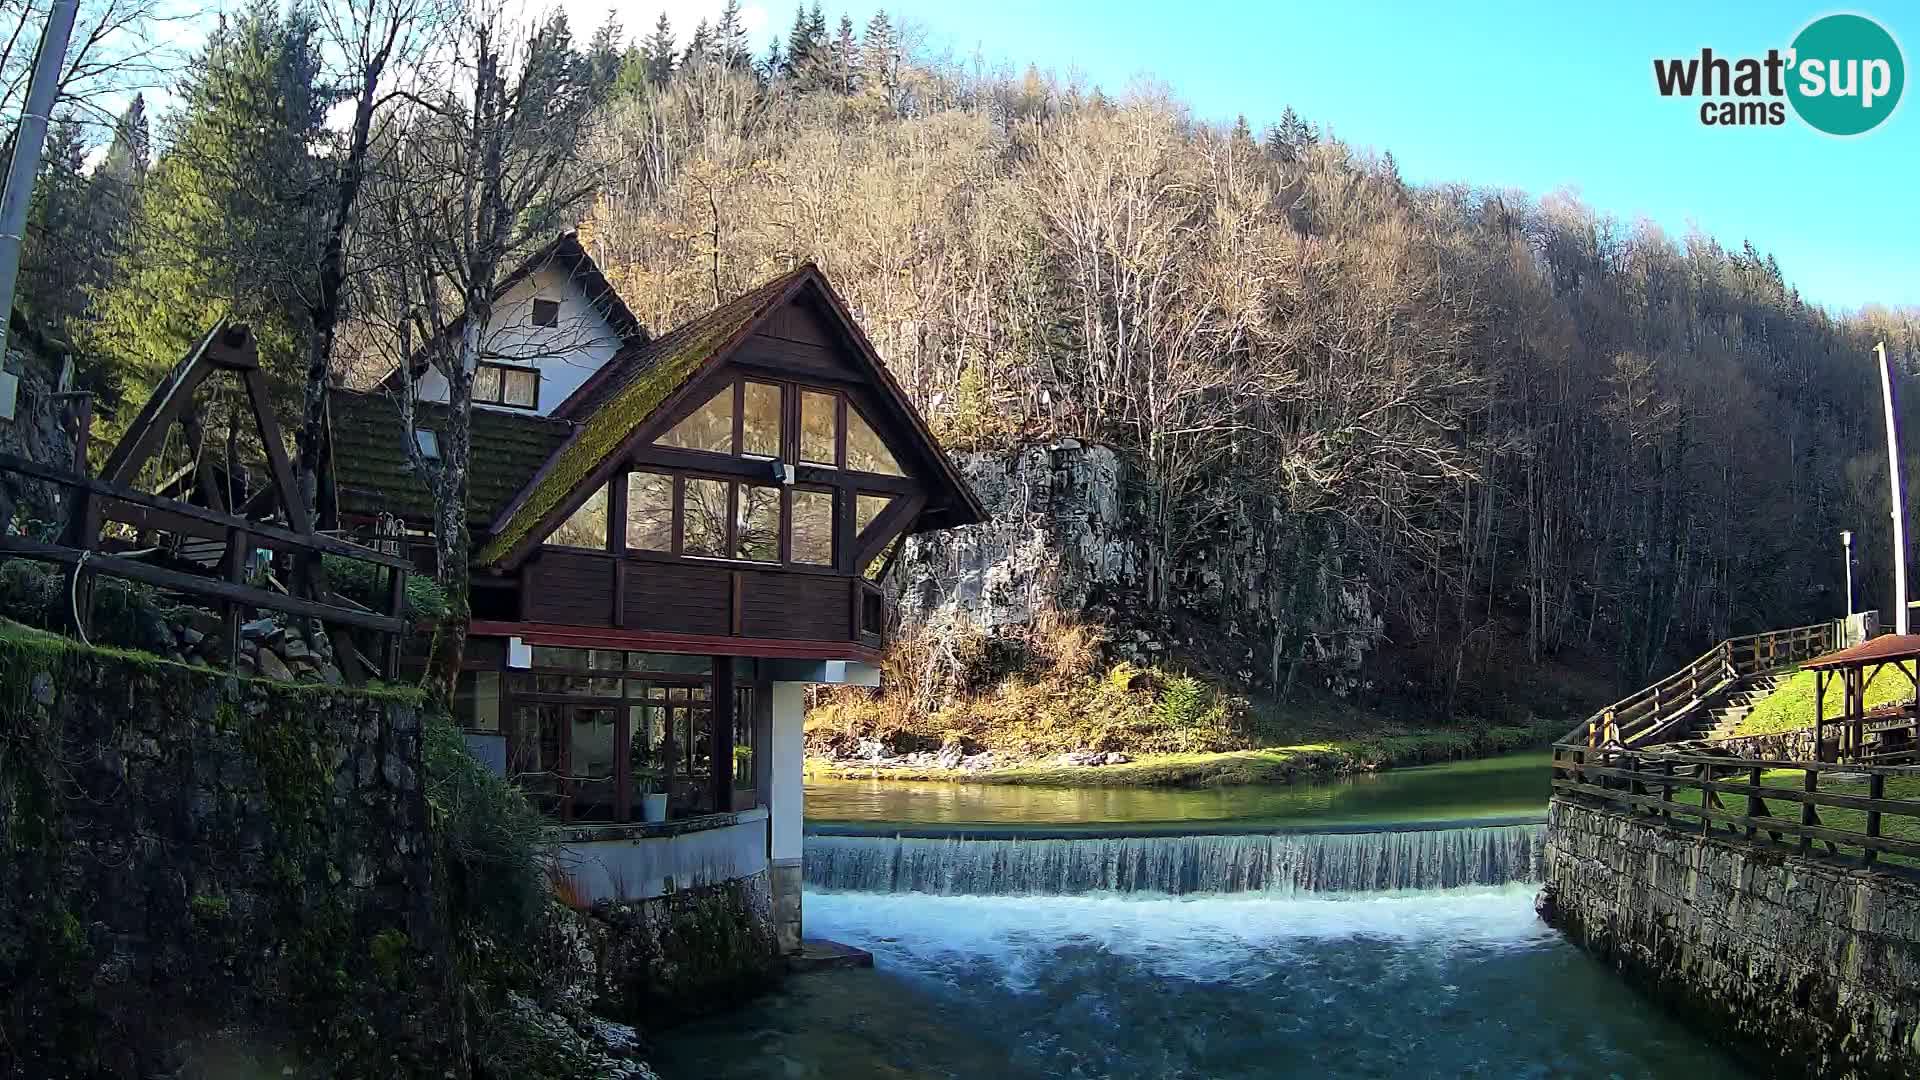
(276, 518)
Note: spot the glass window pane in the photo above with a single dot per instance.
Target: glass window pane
(649, 512)
(819, 427)
(476, 702)
(520, 387)
(704, 530)
(760, 420)
(813, 527)
(573, 685)
(710, 427)
(591, 765)
(548, 656)
(866, 508)
(759, 526)
(587, 527)
(670, 663)
(865, 451)
(486, 383)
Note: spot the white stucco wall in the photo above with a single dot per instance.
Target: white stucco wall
(639, 867)
(566, 354)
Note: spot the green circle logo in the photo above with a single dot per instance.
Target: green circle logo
(1847, 74)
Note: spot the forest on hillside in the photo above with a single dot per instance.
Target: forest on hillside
(1522, 426)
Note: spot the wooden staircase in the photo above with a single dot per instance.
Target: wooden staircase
(1722, 716)
(1708, 698)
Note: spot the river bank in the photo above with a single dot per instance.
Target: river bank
(1266, 765)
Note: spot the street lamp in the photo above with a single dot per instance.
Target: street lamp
(1846, 541)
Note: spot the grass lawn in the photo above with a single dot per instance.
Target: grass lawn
(1832, 817)
(1791, 706)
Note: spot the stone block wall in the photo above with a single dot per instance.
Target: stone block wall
(200, 873)
(1806, 967)
(1794, 745)
(687, 952)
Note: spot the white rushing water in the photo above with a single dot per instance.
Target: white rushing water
(1192, 939)
(1284, 864)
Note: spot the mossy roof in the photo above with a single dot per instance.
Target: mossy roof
(637, 382)
(374, 476)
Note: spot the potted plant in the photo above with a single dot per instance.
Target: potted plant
(653, 804)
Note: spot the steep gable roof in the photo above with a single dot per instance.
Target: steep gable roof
(612, 406)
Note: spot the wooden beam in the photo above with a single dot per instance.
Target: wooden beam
(720, 714)
(115, 566)
(290, 499)
(262, 531)
(601, 637)
(881, 530)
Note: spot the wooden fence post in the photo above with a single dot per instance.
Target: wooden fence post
(1876, 789)
(1808, 816)
(239, 546)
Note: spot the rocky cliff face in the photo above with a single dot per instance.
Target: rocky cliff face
(1250, 593)
(36, 433)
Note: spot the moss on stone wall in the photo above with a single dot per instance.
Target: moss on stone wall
(687, 952)
(197, 866)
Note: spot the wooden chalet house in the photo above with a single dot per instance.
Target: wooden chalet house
(673, 534)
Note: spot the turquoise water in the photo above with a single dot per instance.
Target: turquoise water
(1455, 983)
(1512, 786)
(1269, 932)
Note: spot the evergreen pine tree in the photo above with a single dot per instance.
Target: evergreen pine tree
(658, 49)
(603, 58)
(730, 37)
(879, 55)
(799, 49)
(229, 218)
(699, 46)
(632, 75)
(846, 56)
(59, 256)
(1242, 134)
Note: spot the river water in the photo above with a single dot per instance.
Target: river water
(1287, 940)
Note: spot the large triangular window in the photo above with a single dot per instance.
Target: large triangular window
(709, 427)
(865, 451)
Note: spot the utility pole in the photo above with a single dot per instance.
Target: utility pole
(1899, 510)
(42, 90)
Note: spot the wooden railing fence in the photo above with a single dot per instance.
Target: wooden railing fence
(96, 500)
(1863, 826)
(1649, 714)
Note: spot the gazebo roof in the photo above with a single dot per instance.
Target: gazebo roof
(1885, 649)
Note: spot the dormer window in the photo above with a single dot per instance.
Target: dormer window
(546, 313)
(505, 384)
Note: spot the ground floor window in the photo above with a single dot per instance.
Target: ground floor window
(590, 733)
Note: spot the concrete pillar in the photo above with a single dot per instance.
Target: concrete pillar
(787, 801)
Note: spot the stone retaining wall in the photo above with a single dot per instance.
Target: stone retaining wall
(687, 952)
(203, 873)
(1805, 967)
(1794, 745)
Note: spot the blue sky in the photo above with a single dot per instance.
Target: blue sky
(1537, 96)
